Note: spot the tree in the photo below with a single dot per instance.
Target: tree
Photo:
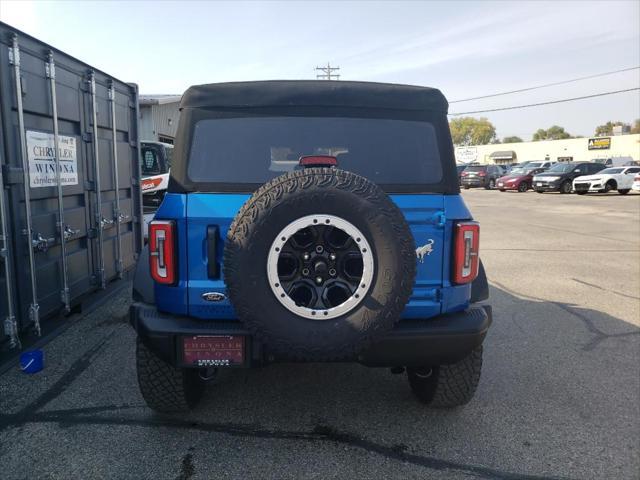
(472, 131)
(513, 139)
(636, 126)
(607, 128)
(554, 132)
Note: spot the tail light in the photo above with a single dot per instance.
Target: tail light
(162, 251)
(464, 174)
(466, 252)
(482, 174)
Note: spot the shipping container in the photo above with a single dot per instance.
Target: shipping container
(70, 204)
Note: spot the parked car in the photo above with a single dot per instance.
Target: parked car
(616, 178)
(544, 164)
(504, 169)
(266, 259)
(615, 161)
(480, 176)
(635, 186)
(459, 170)
(519, 179)
(559, 177)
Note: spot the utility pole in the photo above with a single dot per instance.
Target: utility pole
(327, 73)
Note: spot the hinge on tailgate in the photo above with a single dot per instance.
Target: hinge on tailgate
(439, 219)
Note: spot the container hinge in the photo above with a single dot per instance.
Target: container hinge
(87, 137)
(100, 278)
(64, 296)
(133, 144)
(11, 331)
(93, 280)
(89, 185)
(14, 56)
(12, 175)
(92, 233)
(132, 104)
(439, 219)
(50, 70)
(135, 182)
(3, 251)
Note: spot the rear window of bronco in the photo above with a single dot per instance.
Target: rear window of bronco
(257, 149)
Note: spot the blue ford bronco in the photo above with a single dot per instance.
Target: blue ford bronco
(311, 221)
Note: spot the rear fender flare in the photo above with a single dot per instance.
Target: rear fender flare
(143, 287)
(480, 286)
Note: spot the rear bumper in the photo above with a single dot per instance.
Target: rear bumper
(440, 340)
(546, 186)
(474, 182)
(588, 186)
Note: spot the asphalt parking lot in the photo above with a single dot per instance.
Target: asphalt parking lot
(559, 395)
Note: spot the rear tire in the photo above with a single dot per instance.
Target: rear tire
(539, 191)
(624, 191)
(467, 187)
(447, 386)
(166, 388)
(523, 187)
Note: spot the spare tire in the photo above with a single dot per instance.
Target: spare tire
(319, 263)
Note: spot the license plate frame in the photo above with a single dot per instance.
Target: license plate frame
(202, 351)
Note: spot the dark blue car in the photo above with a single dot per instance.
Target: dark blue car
(311, 221)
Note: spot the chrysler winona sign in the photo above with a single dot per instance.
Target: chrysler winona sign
(42, 164)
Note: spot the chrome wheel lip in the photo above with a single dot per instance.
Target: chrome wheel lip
(314, 220)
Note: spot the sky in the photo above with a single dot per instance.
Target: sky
(465, 49)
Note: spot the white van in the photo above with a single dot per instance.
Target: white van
(615, 161)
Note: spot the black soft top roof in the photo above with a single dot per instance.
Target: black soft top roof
(314, 93)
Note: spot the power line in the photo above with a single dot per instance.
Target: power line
(545, 103)
(545, 85)
(327, 73)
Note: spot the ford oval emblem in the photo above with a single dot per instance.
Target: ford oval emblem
(214, 296)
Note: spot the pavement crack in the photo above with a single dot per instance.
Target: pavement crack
(187, 469)
(605, 289)
(318, 433)
(599, 335)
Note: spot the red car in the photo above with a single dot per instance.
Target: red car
(519, 179)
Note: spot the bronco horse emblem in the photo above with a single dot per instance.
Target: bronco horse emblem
(425, 249)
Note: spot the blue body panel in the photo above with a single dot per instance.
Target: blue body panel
(431, 218)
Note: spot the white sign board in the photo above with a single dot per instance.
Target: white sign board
(42, 165)
(466, 154)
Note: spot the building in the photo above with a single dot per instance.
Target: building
(572, 149)
(159, 115)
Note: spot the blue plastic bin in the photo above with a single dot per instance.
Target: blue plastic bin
(32, 361)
